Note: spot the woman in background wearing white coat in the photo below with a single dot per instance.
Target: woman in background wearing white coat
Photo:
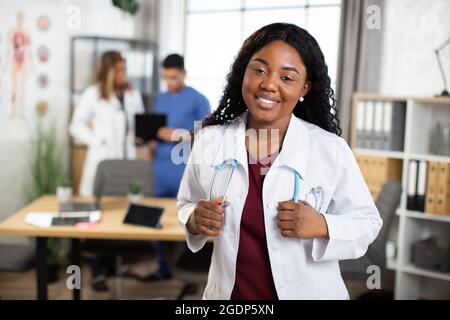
(104, 118)
(296, 202)
(104, 121)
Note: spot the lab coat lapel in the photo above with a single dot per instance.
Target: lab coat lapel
(233, 143)
(294, 153)
(295, 150)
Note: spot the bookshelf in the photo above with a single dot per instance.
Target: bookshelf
(421, 117)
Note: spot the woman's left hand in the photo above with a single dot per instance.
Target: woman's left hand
(300, 220)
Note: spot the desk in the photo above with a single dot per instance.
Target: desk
(110, 227)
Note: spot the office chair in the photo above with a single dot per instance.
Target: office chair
(387, 203)
(113, 178)
(16, 257)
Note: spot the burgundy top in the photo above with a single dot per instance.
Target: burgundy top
(254, 279)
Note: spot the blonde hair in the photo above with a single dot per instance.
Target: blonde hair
(106, 72)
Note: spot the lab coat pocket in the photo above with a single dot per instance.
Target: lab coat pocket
(318, 192)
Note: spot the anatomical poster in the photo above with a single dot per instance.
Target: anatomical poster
(28, 36)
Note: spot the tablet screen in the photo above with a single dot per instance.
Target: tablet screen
(147, 125)
(143, 215)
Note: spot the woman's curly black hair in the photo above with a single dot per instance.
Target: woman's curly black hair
(318, 104)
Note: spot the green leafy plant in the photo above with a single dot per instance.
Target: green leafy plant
(65, 183)
(46, 173)
(59, 249)
(46, 163)
(130, 6)
(135, 187)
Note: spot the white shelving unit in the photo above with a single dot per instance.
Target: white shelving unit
(422, 115)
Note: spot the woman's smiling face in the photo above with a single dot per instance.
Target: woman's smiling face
(274, 81)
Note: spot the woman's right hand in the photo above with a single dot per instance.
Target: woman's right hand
(207, 218)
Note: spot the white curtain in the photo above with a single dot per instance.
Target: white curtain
(359, 62)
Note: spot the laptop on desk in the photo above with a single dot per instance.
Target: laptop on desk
(72, 213)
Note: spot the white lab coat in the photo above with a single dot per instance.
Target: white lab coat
(302, 269)
(100, 124)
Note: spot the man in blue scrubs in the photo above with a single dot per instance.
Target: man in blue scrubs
(183, 105)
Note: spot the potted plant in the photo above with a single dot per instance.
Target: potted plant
(128, 10)
(57, 256)
(45, 171)
(135, 192)
(128, 6)
(64, 191)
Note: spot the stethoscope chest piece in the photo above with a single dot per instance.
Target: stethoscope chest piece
(315, 197)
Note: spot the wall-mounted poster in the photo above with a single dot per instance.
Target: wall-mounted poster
(41, 108)
(42, 53)
(43, 81)
(43, 23)
(28, 74)
(19, 61)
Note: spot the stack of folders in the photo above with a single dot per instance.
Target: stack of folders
(380, 125)
(378, 170)
(428, 187)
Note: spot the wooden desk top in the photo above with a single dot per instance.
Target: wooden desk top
(110, 226)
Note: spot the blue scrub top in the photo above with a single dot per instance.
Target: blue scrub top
(182, 110)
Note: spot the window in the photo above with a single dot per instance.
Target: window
(215, 31)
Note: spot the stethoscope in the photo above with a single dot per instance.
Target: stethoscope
(217, 169)
(317, 193)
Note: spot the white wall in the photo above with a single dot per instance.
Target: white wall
(98, 17)
(171, 25)
(413, 29)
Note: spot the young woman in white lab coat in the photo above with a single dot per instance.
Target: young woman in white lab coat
(104, 118)
(277, 105)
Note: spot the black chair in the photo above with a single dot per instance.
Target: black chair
(113, 178)
(387, 203)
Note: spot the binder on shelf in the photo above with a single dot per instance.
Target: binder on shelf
(394, 116)
(430, 194)
(364, 166)
(378, 170)
(378, 126)
(368, 124)
(360, 124)
(391, 169)
(373, 170)
(387, 125)
(378, 174)
(397, 136)
(412, 185)
(421, 186)
(443, 192)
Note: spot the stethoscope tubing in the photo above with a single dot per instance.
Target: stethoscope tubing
(296, 197)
